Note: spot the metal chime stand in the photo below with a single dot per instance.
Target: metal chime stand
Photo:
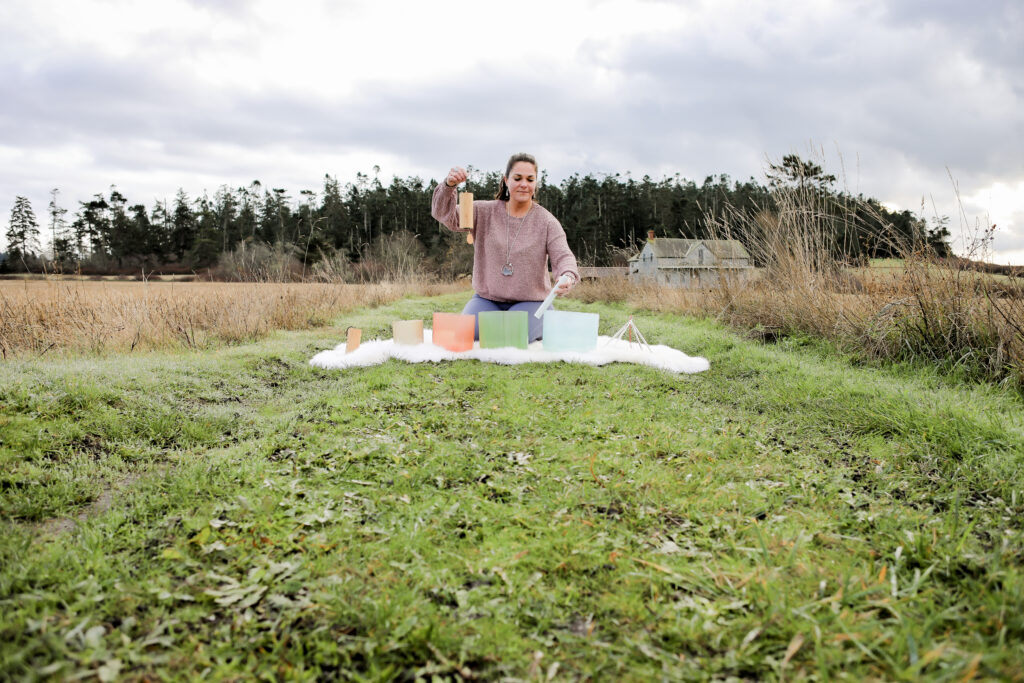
(635, 336)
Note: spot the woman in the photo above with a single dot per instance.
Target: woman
(514, 237)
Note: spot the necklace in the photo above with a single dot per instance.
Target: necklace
(507, 269)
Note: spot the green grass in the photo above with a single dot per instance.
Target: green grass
(235, 513)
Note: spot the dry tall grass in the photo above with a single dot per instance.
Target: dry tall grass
(949, 312)
(51, 316)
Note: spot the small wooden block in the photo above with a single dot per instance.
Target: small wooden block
(352, 338)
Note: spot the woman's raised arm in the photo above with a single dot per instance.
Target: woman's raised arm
(443, 205)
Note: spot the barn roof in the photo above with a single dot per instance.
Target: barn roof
(672, 247)
(727, 248)
(665, 247)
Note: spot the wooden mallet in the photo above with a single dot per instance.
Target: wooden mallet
(466, 215)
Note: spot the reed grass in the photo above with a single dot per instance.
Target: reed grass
(60, 316)
(948, 312)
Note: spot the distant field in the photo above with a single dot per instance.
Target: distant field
(887, 263)
(73, 277)
(897, 266)
(49, 316)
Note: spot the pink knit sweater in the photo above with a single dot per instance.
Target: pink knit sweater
(540, 238)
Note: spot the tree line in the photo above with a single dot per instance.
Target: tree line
(605, 217)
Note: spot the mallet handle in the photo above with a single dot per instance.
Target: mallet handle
(551, 297)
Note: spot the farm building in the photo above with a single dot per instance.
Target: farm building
(689, 263)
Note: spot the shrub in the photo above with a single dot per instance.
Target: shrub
(259, 262)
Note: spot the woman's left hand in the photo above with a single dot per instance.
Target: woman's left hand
(564, 288)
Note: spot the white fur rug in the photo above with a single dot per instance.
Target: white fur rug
(608, 350)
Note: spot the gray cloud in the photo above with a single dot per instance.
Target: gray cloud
(990, 29)
(905, 91)
(866, 88)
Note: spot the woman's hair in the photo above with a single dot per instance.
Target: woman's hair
(503, 193)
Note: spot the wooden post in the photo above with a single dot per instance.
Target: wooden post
(466, 215)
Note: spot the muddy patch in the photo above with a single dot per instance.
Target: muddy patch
(58, 526)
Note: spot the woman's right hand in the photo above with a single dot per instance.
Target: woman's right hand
(455, 176)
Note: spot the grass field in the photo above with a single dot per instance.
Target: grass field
(233, 513)
(883, 271)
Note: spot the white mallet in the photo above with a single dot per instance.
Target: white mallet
(551, 296)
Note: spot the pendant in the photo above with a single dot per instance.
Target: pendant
(507, 270)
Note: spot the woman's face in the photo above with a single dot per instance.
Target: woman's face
(522, 181)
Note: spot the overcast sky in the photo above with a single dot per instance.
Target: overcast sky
(905, 100)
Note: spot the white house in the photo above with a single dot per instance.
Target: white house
(689, 263)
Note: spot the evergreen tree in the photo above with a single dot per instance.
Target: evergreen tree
(275, 217)
(142, 235)
(337, 224)
(225, 212)
(206, 246)
(603, 216)
(308, 238)
(158, 237)
(249, 212)
(183, 227)
(119, 242)
(91, 226)
(60, 242)
(22, 234)
(803, 174)
(938, 237)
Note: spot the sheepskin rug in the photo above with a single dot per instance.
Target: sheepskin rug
(608, 350)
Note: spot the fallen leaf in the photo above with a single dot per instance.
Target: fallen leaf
(668, 547)
(659, 567)
(109, 671)
(535, 663)
(972, 669)
(94, 636)
(794, 646)
(201, 537)
(749, 638)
